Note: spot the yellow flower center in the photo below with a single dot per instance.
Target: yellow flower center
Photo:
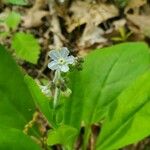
(61, 61)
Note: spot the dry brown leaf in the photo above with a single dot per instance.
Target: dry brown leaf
(33, 19)
(84, 12)
(143, 22)
(135, 4)
(91, 35)
(119, 23)
(34, 16)
(146, 9)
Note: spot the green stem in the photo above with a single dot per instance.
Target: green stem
(57, 90)
(56, 97)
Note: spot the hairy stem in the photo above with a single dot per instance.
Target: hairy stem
(56, 97)
(57, 90)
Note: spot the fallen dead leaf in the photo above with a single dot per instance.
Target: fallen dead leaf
(135, 4)
(119, 23)
(146, 9)
(91, 35)
(34, 16)
(142, 22)
(84, 12)
(91, 14)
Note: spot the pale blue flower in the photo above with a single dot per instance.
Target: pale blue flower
(60, 60)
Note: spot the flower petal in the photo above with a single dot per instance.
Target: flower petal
(64, 68)
(64, 52)
(54, 54)
(53, 65)
(70, 59)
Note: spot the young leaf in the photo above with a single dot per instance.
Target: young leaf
(13, 20)
(14, 139)
(106, 72)
(16, 104)
(17, 2)
(129, 116)
(26, 47)
(64, 135)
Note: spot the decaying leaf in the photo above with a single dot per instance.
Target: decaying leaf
(135, 4)
(34, 16)
(91, 14)
(91, 35)
(119, 23)
(146, 9)
(84, 12)
(142, 22)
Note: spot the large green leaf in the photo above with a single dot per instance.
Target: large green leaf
(106, 72)
(16, 104)
(26, 47)
(129, 116)
(14, 139)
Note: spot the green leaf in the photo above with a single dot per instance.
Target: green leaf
(13, 139)
(129, 117)
(106, 72)
(16, 104)
(26, 47)
(17, 2)
(13, 20)
(42, 102)
(64, 135)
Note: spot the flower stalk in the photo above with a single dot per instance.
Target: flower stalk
(56, 79)
(60, 61)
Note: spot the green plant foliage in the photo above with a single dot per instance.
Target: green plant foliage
(129, 117)
(64, 135)
(26, 47)
(113, 85)
(13, 20)
(14, 139)
(42, 102)
(106, 72)
(16, 104)
(124, 35)
(17, 2)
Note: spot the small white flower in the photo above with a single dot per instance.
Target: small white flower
(60, 60)
(45, 90)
